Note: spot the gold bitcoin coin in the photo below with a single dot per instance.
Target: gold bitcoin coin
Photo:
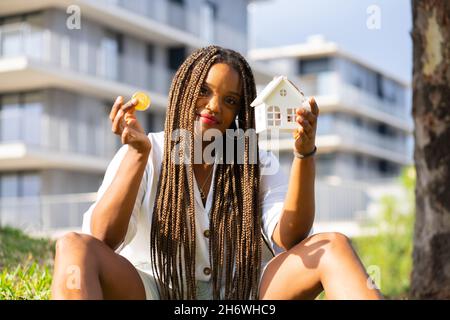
(143, 101)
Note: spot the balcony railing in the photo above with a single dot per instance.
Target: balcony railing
(186, 19)
(50, 132)
(45, 212)
(363, 136)
(330, 84)
(69, 54)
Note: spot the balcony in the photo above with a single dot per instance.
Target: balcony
(36, 140)
(328, 87)
(57, 56)
(45, 213)
(349, 139)
(183, 18)
(114, 15)
(363, 136)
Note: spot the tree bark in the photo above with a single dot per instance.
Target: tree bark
(431, 112)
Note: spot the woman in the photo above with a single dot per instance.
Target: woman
(162, 229)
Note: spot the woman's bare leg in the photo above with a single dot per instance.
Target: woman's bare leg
(324, 261)
(86, 268)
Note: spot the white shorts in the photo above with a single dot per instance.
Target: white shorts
(204, 288)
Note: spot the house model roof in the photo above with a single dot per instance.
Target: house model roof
(268, 90)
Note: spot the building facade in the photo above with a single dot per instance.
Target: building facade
(364, 129)
(58, 81)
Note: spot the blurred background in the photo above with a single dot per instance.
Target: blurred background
(62, 63)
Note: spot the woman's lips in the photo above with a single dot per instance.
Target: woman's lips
(208, 119)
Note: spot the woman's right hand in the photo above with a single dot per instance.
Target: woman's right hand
(126, 125)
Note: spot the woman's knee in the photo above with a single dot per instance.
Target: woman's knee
(336, 239)
(74, 243)
(337, 246)
(321, 245)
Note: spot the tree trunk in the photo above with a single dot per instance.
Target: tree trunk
(431, 111)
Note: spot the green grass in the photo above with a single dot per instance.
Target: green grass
(391, 249)
(26, 265)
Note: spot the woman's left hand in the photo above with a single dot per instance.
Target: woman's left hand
(305, 135)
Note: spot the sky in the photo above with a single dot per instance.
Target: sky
(387, 45)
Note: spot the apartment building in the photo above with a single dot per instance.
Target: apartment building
(57, 85)
(365, 125)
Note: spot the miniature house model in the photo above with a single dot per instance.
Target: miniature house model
(276, 104)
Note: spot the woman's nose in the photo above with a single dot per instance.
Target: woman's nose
(214, 104)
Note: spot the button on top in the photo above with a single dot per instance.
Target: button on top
(206, 233)
(207, 271)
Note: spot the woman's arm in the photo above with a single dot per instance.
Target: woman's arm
(111, 215)
(298, 212)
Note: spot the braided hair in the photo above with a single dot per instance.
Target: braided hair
(235, 225)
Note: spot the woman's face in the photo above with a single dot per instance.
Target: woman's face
(220, 98)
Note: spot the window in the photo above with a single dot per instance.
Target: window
(120, 43)
(290, 114)
(273, 116)
(178, 2)
(9, 185)
(358, 160)
(383, 166)
(12, 43)
(20, 184)
(357, 121)
(10, 118)
(176, 57)
(31, 184)
(20, 117)
(379, 86)
(110, 47)
(32, 115)
(208, 15)
(150, 53)
(312, 66)
(382, 129)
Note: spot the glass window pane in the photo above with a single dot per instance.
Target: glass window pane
(31, 185)
(32, 116)
(9, 185)
(11, 42)
(10, 118)
(109, 59)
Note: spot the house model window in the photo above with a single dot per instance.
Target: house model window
(273, 116)
(276, 104)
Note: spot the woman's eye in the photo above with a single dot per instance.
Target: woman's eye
(231, 101)
(203, 91)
